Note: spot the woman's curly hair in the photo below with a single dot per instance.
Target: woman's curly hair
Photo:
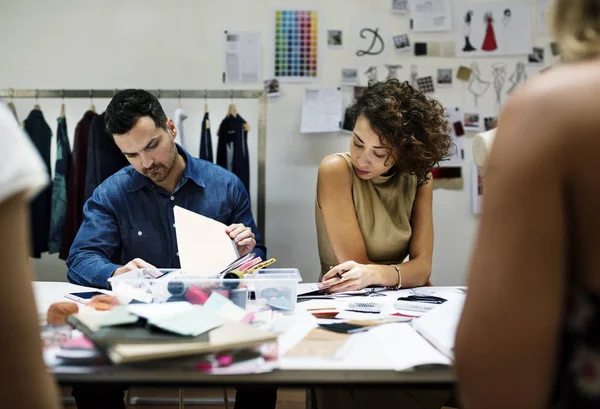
(412, 127)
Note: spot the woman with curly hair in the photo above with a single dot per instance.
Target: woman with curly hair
(374, 204)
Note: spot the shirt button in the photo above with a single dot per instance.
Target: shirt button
(173, 224)
(172, 197)
(177, 254)
(139, 232)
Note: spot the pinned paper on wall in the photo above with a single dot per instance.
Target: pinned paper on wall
(296, 45)
(476, 188)
(400, 6)
(349, 76)
(542, 8)
(444, 77)
(430, 15)
(321, 110)
(243, 57)
(488, 29)
(472, 121)
(454, 117)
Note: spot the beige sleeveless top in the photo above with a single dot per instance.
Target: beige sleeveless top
(383, 208)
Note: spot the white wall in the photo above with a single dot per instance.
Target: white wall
(178, 44)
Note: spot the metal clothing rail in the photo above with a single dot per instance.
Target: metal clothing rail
(177, 94)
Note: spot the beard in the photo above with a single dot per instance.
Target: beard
(158, 173)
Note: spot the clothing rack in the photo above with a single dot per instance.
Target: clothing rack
(178, 94)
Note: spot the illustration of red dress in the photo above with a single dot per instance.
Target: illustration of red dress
(489, 42)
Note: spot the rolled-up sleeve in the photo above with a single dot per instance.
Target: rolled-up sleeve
(95, 252)
(242, 213)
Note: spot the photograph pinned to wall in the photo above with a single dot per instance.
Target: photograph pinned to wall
(369, 39)
(425, 84)
(272, 87)
(401, 42)
(347, 123)
(400, 6)
(447, 177)
(454, 117)
(536, 56)
(349, 76)
(335, 39)
(463, 73)
(444, 77)
(321, 110)
(489, 122)
(392, 71)
(471, 121)
(430, 15)
(476, 188)
(295, 45)
(494, 28)
(518, 77)
(477, 86)
(554, 49)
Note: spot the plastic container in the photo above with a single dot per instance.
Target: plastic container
(272, 288)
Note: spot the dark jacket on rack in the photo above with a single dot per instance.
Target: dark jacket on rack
(59, 186)
(76, 184)
(232, 148)
(206, 151)
(104, 158)
(40, 133)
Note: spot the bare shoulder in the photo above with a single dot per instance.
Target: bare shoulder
(334, 167)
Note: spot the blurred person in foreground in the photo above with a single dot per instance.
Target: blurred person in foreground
(529, 336)
(22, 175)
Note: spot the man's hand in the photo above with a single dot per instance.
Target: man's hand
(243, 238)
(134, 264)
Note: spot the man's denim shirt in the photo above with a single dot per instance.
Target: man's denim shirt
(130, 217)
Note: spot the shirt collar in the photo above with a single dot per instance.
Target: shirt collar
(191, 171)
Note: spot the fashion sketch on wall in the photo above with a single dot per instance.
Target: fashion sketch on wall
(499, 74)
(477, 86)
(518, 77)
(492, 28)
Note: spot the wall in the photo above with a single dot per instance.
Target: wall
(166, 44)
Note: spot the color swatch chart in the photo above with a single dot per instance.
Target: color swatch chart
(296, 42)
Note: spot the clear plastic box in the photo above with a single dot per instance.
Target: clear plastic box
(274, 288)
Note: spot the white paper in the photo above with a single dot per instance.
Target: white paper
(542, 9)
(439, 325)
(158, 311)
(430, 15)
(476, 189)
(204, 247)
(194, 322)
(243, 57)
(499, 28)
(321, 110)
(454, 114)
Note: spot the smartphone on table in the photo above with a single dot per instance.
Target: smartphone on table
(83, 297)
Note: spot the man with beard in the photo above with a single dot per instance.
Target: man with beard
(129, 222)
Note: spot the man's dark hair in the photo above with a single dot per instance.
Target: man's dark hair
(128, 106)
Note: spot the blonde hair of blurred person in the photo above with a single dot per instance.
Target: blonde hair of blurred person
(29, 385)
(529, 336)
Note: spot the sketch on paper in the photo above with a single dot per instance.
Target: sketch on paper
(414, 75)
(392, 70)
(467, 32)
(371, 73)
(377, 45)
(492, 28)
(477, 86)
(499, 75)
(518, 77)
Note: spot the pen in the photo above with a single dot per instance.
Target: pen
(262, 265)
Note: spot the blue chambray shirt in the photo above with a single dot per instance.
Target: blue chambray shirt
(128, 216)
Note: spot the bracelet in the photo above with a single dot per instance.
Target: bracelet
(399, 285)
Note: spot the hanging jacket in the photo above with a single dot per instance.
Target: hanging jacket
(41, 135)
(104, 158)
(58, 209)
(76, 184)
(206, 151)
(232, 148)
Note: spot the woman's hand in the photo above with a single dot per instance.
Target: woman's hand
(350, 276)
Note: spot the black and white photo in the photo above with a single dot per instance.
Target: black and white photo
(334, 39)
(444, 77)
(349, 76)
(537, 56)
(400, 6)
(401, 42)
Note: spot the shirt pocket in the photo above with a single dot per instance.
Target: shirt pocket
(144, 243)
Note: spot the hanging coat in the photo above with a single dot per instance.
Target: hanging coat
(232, 148)
(104, 158)
(58, 210)
(76, 184)
(41, 135)
(206, 151)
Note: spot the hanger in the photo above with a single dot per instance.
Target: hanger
(205, 101)
(37, 105)
(232, 111)
(92, 106)
(11, 105)
(179, 98)
(62, 106)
